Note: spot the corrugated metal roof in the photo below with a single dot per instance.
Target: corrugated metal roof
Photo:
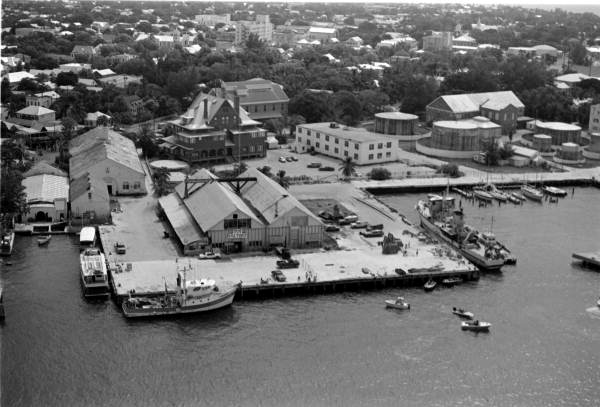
(85, 184)
(471, 102)
(256, 90)
(42, 167)
(46, 188)
(35, 110)
(212, 202)
(180, 219)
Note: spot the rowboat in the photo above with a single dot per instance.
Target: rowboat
(42, 240)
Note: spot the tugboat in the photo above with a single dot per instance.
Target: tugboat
(191, 296)
(94, 275)
(440, 218)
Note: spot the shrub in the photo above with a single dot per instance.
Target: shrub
(379, 174)
(450, 170)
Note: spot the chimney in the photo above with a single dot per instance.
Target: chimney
(236, 106)
(206, 108)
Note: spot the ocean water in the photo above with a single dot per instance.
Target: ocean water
(344, 349)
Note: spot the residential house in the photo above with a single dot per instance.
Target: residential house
(43, 99)
(89, 200)
(14, 78)
(134, 103)
(91, 119)
(354, 42)
(260, 98)
(31, 115)
(215, 129)
(86, 52)
(110, 157)
(502, 107)
(120, 81)
(322, 34)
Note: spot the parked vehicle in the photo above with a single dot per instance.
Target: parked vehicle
(210, 254)
(278, 275)
(120, 248)
(288, 264)
(332, 228)
(351, 218)
(314, 165)
(359, 225)
(375, 227)
(294, 158)
(282, 160)
(326, 169)
(289, 159)
(371, 233)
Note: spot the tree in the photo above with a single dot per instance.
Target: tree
(379, 174)
(348, 167)
(282, 179)
(266, 170)
(450, 170)
(506, 151)
(254, 42)
(5, 93)
(239, 168)
(66, 79)
(146, 142)
(491, 149)
(313, 107)
(160, 176)
(13, 199)
(578, 54)
(346, 107)
(372, 101)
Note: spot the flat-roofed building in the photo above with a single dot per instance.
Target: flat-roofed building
(323, 34)
(335, 140)
(212, 19)
(438, 41)
(261, 26)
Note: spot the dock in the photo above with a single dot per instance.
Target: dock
(318, 273)
(591, 259)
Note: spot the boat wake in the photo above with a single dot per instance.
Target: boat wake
(594, 312)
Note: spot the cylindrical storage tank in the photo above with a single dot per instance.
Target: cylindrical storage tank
(396, 123)
(594, 145)
(560, 132)
(569, 151)
(542, 142)
(454, 135)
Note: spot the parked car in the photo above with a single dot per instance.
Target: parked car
(210, 254)
(325, 215)
(294, 158)
(326, 169)
(289, 159)
(371, 233)
(278, 275)
(288, 264)
(351, 218)
(332, 228)
(375, 227)
(314, 165)
(282, 160)
(282, 252)
(359, 225)
(343, 222)
(120, 248)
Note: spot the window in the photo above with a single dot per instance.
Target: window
(252, 149)
(317, 144)
(273, 107)
(356, 156)
(326, 147)
(308, 142)
(346, 143)
(379, 155)
(336, 150)
(370, 156)
(236, 223)
(264, 108)
(388, 154)
(259, 148)
(308, 132)
(299, 138)
(356, 146)
(300, 130)
(318, 135)
(345, 153)
(326, 138)
(107, 170)
(389, 144)
(137, 185)
(125, 186)
(337, 140)
(371, 146)
(379, 146)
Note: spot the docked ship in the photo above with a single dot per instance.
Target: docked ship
(191, 296)
(94, 275)
(439, 216)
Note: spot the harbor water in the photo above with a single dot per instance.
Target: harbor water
(342, 349)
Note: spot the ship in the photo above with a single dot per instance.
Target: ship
(440, 218)
(191, 296)
(94, 275)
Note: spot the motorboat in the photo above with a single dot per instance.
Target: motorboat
(94, 274)
(553, 191)
(430, 285)
(495, 192)
(598, 303)
(398, 303)
(451, 281)
(532, 193)
(518, 196)
(482, 195)
(514, 199)
(462, 313)
(42, 240)
(475, 326)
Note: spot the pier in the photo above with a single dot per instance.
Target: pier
(591, 259)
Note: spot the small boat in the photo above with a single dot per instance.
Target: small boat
(430, 285)
(553, 191)
(598, 303)
(532, 193)
(449, 282)
(398, 303)
(482, 195)
(365, 270)
(514, 199)
(42, 240)
(462, 313)
(519, 196)
(495, 192)
(475, 326)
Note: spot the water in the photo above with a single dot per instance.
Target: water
(344, 349)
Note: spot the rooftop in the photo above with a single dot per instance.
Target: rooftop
(46, 187)
(557, 126)
(397, 116)
(355, 134)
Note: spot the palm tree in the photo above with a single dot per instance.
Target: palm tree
(282, 179)
(161, 181)
(348, 167)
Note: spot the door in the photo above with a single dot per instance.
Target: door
(294, 236)
(110, 191)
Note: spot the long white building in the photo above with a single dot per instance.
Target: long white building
(340, 141)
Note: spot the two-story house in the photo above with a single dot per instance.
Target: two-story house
(260, 98)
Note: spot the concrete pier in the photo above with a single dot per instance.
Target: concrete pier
(589, 258)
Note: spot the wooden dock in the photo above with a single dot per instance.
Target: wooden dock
(591, 259)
